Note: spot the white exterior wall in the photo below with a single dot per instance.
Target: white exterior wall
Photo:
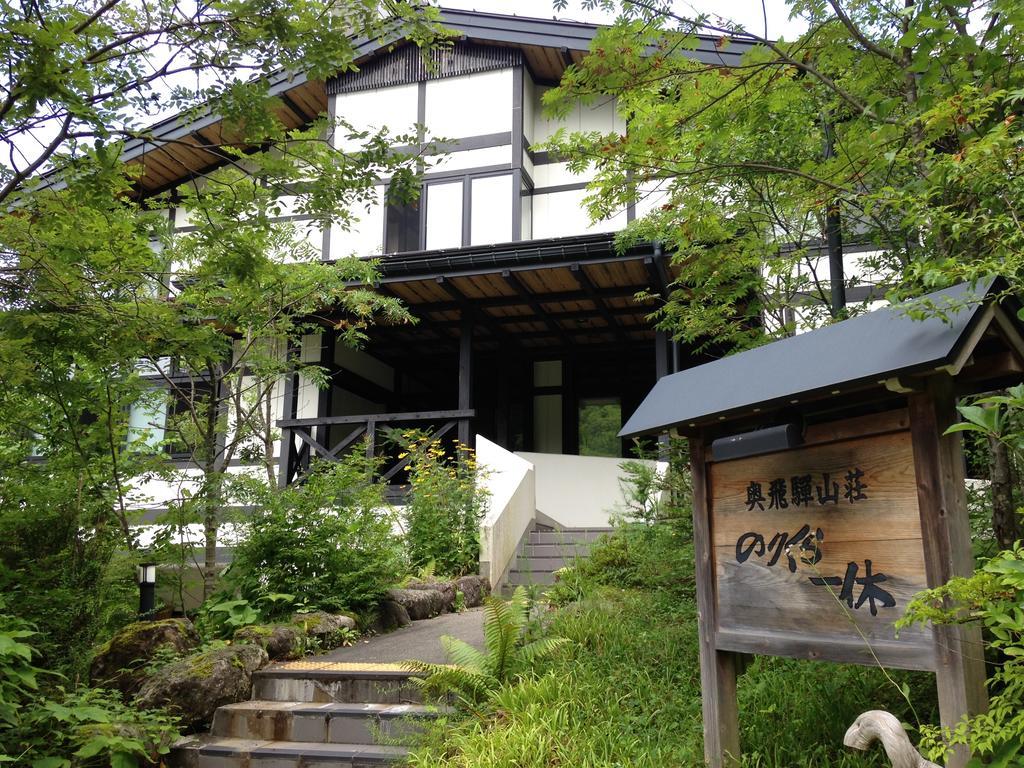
(557, 211)
(511, 507)
(470, 105)
(577, 491)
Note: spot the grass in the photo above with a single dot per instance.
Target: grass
(628, 694)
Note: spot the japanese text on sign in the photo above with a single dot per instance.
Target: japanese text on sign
(805, 545)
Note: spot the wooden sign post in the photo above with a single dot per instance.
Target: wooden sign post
(827, 494)
(814, 553)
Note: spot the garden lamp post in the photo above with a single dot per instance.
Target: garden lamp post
(147, 589)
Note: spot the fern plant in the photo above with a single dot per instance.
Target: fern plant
(475, 676)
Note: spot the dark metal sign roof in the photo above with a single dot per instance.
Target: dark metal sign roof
(851, 354)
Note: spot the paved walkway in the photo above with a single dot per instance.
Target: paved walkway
(421, 640)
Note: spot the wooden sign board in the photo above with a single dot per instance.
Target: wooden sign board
(818, 550)
(814, 553)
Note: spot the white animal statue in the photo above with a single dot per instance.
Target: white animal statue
(876, 725)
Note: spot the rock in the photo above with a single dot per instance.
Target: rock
(325, 628)
(420, 603)
(120, 662)
(280, 641)
(445, 588)
(474, 589)
(194, 687)
(391, 615)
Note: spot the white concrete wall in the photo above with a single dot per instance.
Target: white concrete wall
(577, 491)
(510, 481)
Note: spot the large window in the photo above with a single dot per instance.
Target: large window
(491, 210)
(458, 211)
(402, 226)
(444, 214)
(148, 420)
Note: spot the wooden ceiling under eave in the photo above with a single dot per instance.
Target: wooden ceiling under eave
(173, 156)
(534, 311)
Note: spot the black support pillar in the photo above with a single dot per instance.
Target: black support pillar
(465, 376)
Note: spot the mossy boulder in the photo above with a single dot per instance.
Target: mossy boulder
(280, 641)
(327, 629)
(419, 603)
(446, 589)
(390, 616)
(194, 687)
(120, 663)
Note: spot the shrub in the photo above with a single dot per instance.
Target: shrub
(445, 505)
(59, 729)
(642, 556)
(328, 543)
(995, 597)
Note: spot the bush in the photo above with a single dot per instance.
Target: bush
(61, 569)
(327, 543)
(656, 556)
(995, 597)
(84, 727)
(444, 508)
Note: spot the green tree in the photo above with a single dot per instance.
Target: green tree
(917, 103)
(83, 75)
(86, 288)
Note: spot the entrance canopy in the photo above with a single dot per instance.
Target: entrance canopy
(534, 298)
(966, 329)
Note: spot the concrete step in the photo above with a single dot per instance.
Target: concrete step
(567, 535)
(516, 577)
(581, 549)
(541, 564)
(218, 752)
(366, 685)
(331, 723)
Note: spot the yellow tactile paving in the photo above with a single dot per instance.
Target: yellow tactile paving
(340, 666)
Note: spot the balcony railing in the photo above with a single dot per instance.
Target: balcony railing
(304, 441)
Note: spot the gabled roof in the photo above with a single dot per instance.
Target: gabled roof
(850, 355)
(183, 145)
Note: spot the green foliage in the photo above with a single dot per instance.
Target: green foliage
(90, 76)
(995, 597)
(626, 691)
(222, 618)
(599, 429)
(921, 106)
(54, 728)
(89, 727)
(652, 543)
(642, 556)
(328, 542)
(476, 676)
(445, 505)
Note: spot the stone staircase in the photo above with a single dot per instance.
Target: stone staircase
(313, 715)
(545, 550)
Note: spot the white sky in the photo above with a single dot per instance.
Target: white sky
(747, 12)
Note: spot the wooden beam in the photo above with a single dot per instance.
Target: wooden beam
(487, 302)
(512, 280)
(290, 406)
(718, 669)
(325, 397)
(469, 307)
(386, 418)
(465, 378)
(584, 281)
